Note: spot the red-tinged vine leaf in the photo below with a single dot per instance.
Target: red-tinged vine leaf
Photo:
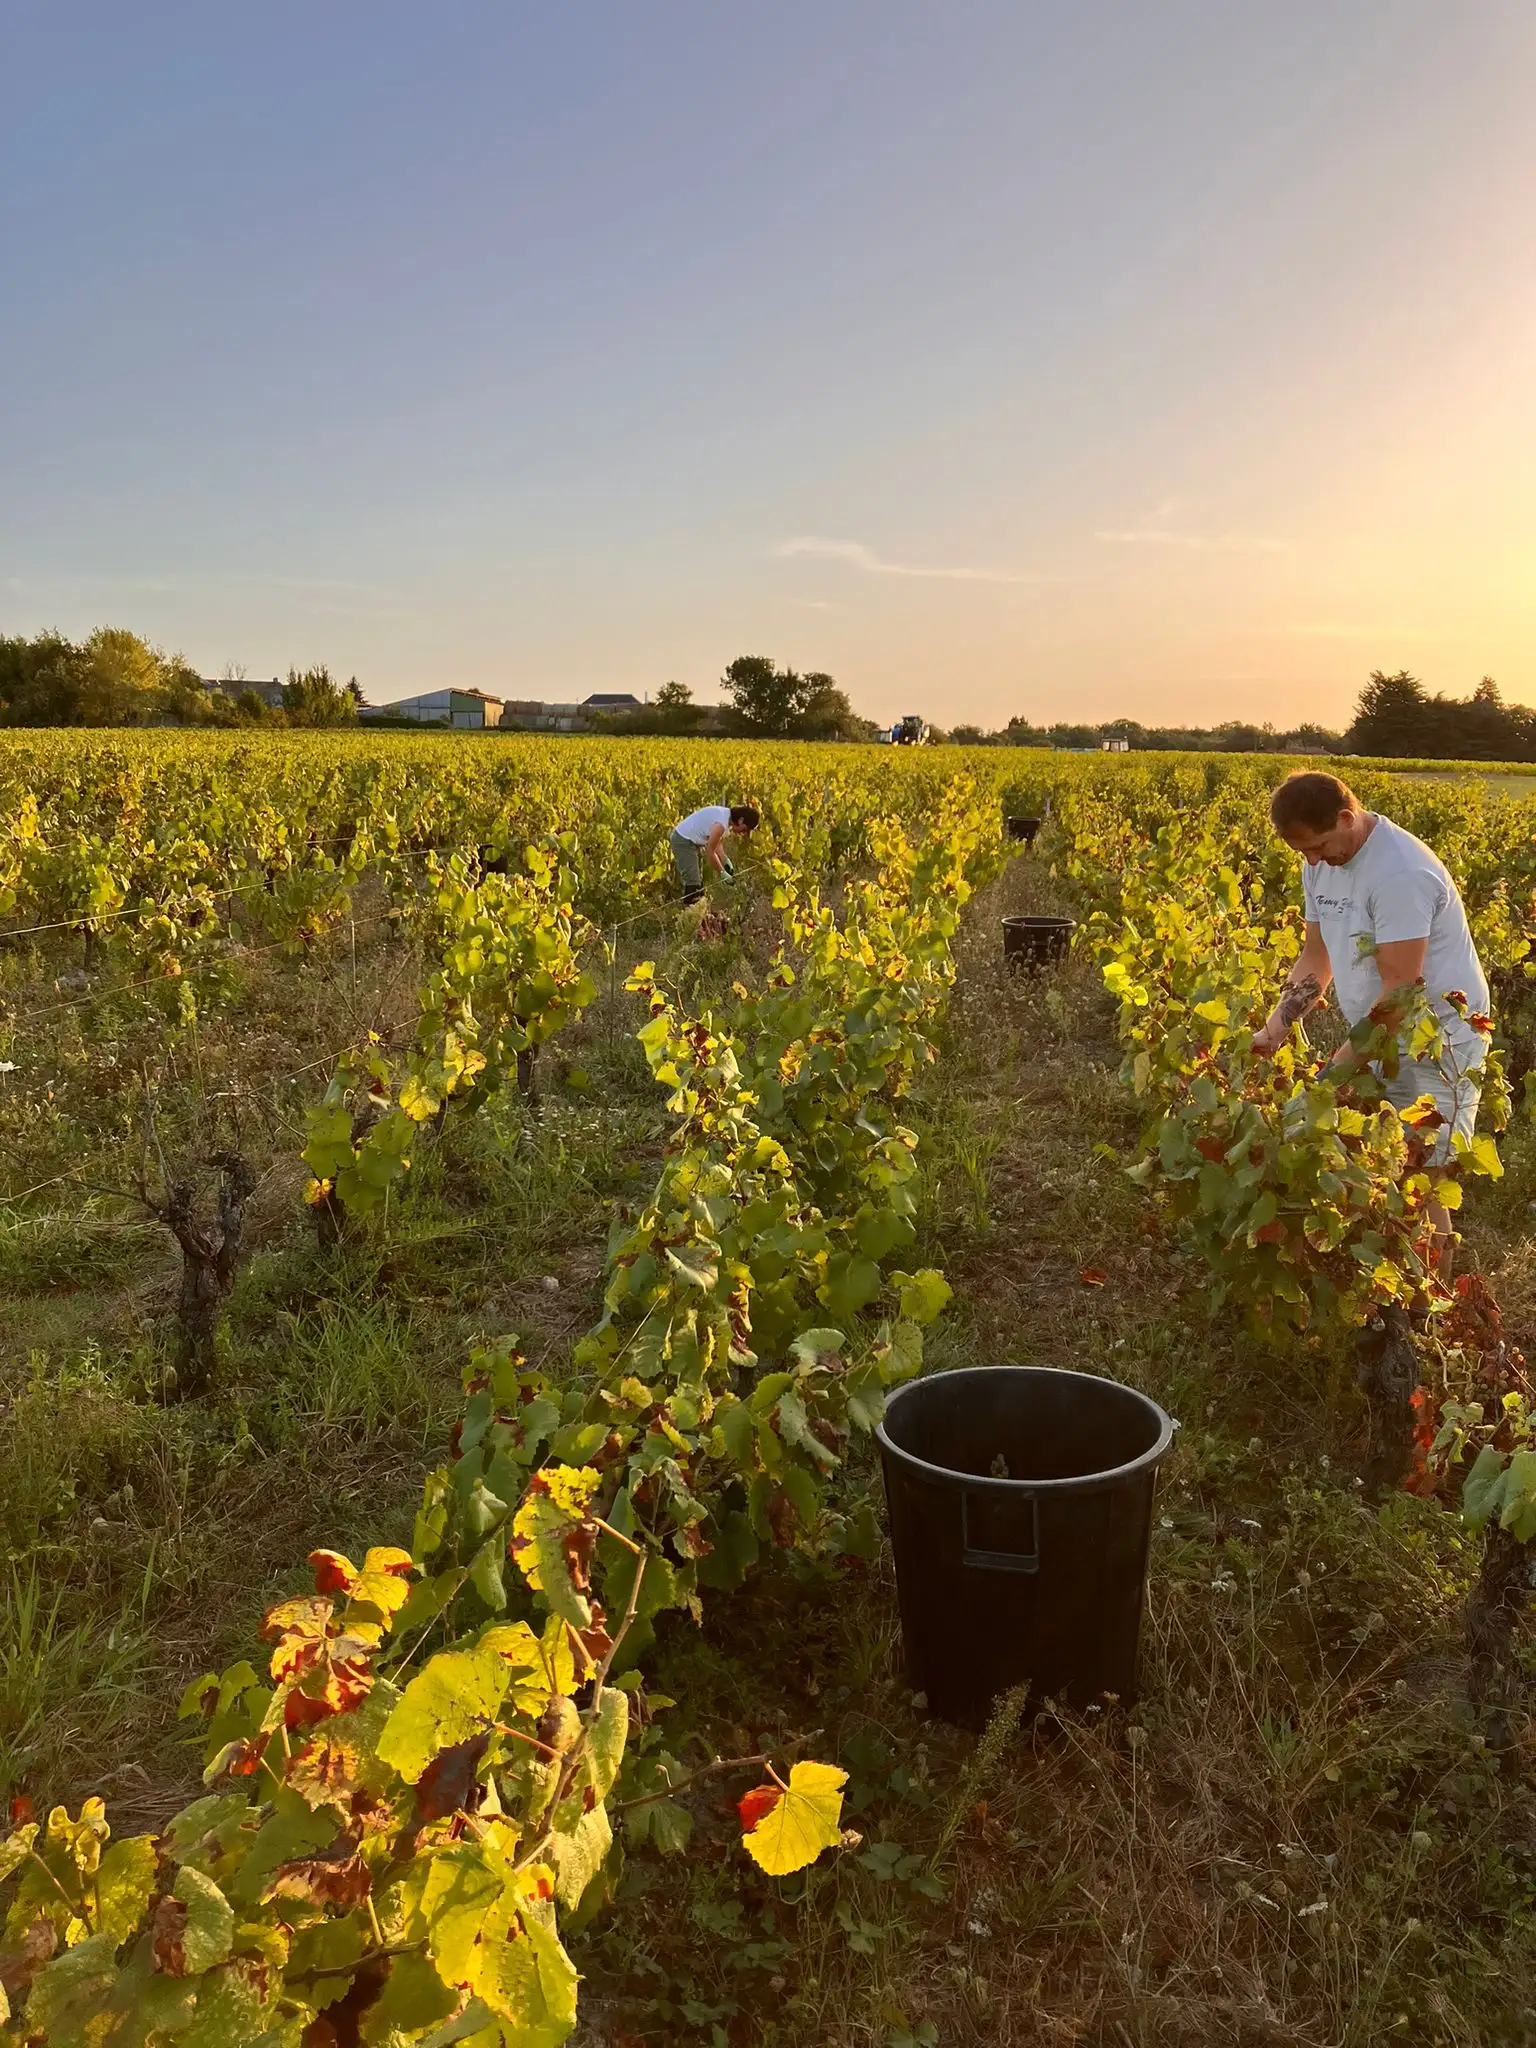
(1421, 1478)
(337, 1876)
(167, 1930)
(450, 1783)
(329, 1689)
(1212, 1149)
(595, 1641)
(783, 1522)
(1422, 1115)
(753, 1806)
(22, 1810)
(1457, 999)
(1273, 1232)
(1093, 1276)
(324, 1772)
(38, 1945)
(299, 1629)
(1481, 1021)
(553, 1539)
(240, 1759)
(333, 1572)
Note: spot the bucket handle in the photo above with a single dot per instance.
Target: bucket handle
(999, 1560)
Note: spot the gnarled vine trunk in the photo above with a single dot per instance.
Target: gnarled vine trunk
(1387, 1368)
(210, 1254)
(1494, 1608)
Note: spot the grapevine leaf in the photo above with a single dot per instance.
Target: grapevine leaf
(924, 1295)
(448, 1782)
(194, 1928)
(125, 1884)
(606, 1736)
(1483, 1490)
(698, 1264)
(579, 1854)
(755, 1805)
(444, 1704)
(795, 1428)
(1480, 1155)
(530, 1983)
(414, 1996)
(68, 1995)
(458, 1905)
(850, 1284)
(553, 1539)
(806, 1819)
(1518, 1513)
(821, 1348)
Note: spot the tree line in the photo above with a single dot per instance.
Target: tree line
(763, 701)
(116, 678)
(1397, 716)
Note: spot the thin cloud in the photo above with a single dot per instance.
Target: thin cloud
(1162, 536)
(858, 556)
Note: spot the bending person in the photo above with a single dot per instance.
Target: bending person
(701, 836)
(1382, 914)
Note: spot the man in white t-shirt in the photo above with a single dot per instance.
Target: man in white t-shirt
(702, 835)
(1382, 914)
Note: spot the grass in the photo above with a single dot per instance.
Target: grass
(1296, 1834)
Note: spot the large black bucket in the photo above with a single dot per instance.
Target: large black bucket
(1022, 828)
(1035, 1576)
(1036, 941)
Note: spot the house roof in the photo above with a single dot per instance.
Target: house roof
(611, 700)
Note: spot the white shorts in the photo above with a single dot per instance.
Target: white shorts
(1456, 1099)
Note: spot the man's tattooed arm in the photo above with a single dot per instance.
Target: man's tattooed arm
(1297, 999)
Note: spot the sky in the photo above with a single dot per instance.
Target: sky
(1170, 361)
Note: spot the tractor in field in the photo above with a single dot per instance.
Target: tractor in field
(910, 731)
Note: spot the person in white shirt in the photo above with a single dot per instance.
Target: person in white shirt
(702, 835)
(1382, 913)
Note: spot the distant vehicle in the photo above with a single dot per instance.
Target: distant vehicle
(911, 731)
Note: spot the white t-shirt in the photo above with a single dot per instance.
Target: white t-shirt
(699, 824)
(1396, 888)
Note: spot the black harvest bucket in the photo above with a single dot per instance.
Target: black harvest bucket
(1036, 941)
(1023, 828)
(1038, 1575)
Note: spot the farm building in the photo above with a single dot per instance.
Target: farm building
(469, 709)
(269, 691)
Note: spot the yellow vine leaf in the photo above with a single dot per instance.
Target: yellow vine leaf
(803, 1822)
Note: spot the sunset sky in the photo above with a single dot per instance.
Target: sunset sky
(1169, 360)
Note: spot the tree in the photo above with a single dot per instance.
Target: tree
(766, 698)
(188, 699)
(1391, 717)
(312, 696)
(38, 678)
(674, 697)
(122, 681)
(826, 714)
(774, 702)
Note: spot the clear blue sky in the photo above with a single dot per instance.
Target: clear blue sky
(1171, 359)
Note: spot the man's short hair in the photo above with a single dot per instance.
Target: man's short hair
(745, 815)
(1310, 802)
